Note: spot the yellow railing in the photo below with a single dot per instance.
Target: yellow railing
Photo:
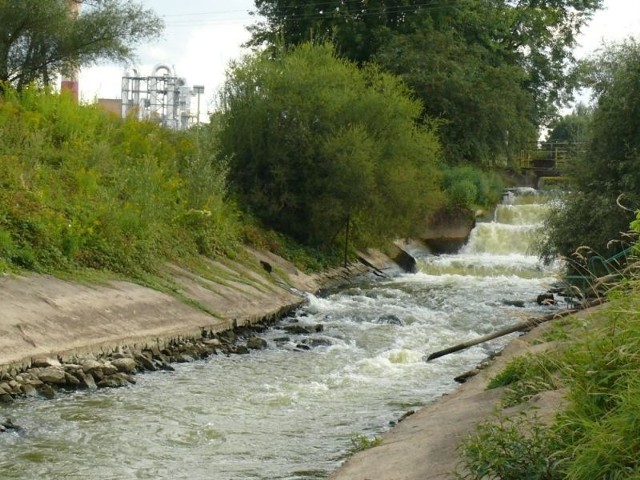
(558, 153)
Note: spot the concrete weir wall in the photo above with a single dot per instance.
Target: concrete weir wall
(448, 231)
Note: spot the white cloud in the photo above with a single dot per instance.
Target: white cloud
(617, 21)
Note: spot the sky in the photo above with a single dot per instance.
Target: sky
(202, 36)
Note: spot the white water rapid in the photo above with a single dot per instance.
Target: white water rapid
(286, 412)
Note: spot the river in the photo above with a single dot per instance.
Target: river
(285, 412)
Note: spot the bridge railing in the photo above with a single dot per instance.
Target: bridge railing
(597, 266)
(548, 158)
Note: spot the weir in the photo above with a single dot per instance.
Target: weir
(290, 411)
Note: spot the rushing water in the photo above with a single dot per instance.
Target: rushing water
(284, 413)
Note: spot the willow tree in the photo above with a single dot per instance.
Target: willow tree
(316, 144)
(40, 39)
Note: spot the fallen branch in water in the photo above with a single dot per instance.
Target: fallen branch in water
(518, 327)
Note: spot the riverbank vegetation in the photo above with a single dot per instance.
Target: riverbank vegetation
(604, 180)
(595, 364)
(84, 189)
(595, 434)
(336, 136)
(292, 170)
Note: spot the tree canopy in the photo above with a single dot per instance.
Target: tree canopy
(40, 39)
(571, 128)
(608, 174)
(315, 144)
(493, 71)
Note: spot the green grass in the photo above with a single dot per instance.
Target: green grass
(525, 376)
(360, 442)
(597, 436)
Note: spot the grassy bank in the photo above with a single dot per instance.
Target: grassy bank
(82, 189)
(597, 365)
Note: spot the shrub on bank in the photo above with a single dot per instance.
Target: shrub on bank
(81, 188)
(318, 146)
(468, 187)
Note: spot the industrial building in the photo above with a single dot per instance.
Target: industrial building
(162, 96)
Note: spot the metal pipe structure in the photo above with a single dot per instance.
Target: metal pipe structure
(162, 97)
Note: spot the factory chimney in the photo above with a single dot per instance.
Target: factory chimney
(70, 81)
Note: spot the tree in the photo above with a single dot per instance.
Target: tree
(609, 172)
(492, 71)
(485, 115)
(40, 39)
(356, 28)
(572, 128)
(315, 144)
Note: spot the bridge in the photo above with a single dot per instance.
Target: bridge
(548, 159)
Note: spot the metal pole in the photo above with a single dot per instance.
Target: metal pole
(198, 90)
(346, 241)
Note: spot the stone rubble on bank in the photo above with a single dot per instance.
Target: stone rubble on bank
(46, 376)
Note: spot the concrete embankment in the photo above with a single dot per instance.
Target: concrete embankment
(57, 329)
(42, 315)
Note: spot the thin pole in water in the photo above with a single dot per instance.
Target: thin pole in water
(346, 241)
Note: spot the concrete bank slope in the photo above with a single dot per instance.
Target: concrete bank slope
(43, 316)
(424, 445)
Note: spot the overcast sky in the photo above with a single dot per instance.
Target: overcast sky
(202, 36)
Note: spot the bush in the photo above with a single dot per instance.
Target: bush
(469, 187)
(510, 449)
(315, 144)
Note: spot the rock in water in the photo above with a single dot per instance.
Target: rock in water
(546, 299)
(256, 343)
(513, 303)
(390, 320)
